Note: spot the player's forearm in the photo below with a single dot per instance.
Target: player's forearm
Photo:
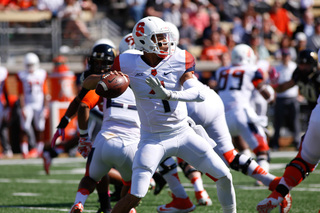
(73, 108)
(91, 82)
(83, 116)
(284, 86)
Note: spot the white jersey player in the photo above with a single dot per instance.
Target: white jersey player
(235, 86)
(3, 78)
(157, 79)
(32, 88)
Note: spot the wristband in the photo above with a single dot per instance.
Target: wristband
(83, 132)
(64, 122)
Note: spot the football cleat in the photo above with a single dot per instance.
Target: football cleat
(286, 204)
(77, 208)
(275, 199)
(177, 205)
(203, 198)
(46, 161)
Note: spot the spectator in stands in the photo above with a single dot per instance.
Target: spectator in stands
(136, 8)
(287, 44)
(258, 47)
(215, 25)
(8, 5)
(287, 107)
(187, 33)
(89, 5)
(212, 53)
(281, 18)
(215, 50)
(200, 19)
(306, 4)
(307, 24)
(230, 9)
(313, 42)
(27, 4)
(242, 29)
(53, 6)
(154, 8)
(74, 28)
(172, 13)
(189, 7)
(270, 39)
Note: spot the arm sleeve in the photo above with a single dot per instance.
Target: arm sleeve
(194, 91)
(91, 99)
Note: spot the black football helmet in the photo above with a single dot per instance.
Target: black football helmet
(101, 58)
(308, 57)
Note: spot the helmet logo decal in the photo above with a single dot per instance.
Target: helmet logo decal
(154, 72)
(129, 40)
(140, 29)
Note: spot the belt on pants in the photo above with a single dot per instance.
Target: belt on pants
(119, 105)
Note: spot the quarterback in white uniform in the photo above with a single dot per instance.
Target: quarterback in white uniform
(235, 86)
(158, 79)
(33, 91)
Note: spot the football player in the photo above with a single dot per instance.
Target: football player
(215, 125)
(4, 113)
(93, 68)
(114, 146)
(307, 77)
(235, 86)
(34, 103)
(157, 78)
(168, 168)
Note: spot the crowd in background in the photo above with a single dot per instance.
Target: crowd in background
(276, 30)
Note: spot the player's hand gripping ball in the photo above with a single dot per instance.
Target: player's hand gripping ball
(112, 85)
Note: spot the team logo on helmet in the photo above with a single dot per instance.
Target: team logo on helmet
(140, 29)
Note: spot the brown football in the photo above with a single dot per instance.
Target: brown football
(112, 85)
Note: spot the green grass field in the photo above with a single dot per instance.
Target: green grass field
(24, 187)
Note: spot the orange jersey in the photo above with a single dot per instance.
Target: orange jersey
(213, 53)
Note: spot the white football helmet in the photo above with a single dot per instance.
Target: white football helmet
(104, 41)
(126, 43)
(31, 62)
(174, 31)
(242, 54)
(146, 29)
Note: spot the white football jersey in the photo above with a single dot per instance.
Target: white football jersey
(157, 115)
(33, 87)
(236, 84)
(3, 77)
(120, 116)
